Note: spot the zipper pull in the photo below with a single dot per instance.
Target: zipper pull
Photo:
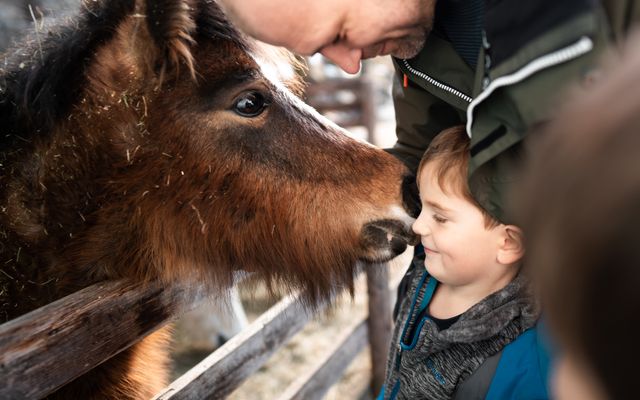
(487, 60)
(485, 42)
(398, 357)
(405, 81)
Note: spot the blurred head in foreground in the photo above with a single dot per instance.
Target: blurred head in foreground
(580, 209)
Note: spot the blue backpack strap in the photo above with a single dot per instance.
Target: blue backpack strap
(523, 371)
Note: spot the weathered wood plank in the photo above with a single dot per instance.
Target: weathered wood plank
(318, 380)
(369, 114)
(48, 347)
(348, 119)
(325, 105)
(380, 322)
(355, 110)
(224, 370)
(333, 85)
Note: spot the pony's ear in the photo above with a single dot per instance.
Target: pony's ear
(172, 25)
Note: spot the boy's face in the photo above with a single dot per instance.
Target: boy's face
(459, 249)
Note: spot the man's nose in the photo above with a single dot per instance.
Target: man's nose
(344, 57)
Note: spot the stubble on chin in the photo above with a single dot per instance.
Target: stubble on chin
(410, 46)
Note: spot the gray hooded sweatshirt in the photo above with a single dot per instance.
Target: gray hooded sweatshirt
(430, 364)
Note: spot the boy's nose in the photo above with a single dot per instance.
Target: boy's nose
(344, 57)
(420, 227)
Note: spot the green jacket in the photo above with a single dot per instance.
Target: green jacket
(531, 53)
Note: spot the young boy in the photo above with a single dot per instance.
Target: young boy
(466, 328)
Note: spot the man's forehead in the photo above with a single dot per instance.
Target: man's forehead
(292, 10)
(296, 24)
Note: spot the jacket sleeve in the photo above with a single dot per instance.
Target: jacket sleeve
(420, 116)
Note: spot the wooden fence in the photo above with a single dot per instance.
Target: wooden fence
(39, 351)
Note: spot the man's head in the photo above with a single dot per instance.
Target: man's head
(343, 31)
(463, 243)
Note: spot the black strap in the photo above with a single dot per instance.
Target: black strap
(476, 386)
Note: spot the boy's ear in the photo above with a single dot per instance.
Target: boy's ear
(511, 247)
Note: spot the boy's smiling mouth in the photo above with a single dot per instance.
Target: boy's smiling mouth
(429, 250)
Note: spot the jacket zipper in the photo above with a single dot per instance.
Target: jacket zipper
(581, 47)
(436, 83)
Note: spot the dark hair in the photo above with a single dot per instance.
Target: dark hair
(449, 151)
(580, 206)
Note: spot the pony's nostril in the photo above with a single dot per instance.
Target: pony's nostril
(410, 196)
(387, 238)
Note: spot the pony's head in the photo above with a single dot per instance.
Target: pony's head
(151, 138)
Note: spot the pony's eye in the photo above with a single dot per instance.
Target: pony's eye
(250, 104)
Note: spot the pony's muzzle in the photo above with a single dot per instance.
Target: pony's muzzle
(385, 239)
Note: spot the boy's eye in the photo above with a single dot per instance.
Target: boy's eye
(439, 219)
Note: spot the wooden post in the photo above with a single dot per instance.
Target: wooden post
(379, 321)
(368, 108)
(380, 315)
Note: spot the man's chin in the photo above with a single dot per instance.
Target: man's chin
(407, 52)
(410, 47)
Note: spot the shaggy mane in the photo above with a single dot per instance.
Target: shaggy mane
(39, 82)
(42, 77)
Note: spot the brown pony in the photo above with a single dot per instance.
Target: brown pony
(149, 140)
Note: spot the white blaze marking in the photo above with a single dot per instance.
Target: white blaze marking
(277, 70)
(401, 214)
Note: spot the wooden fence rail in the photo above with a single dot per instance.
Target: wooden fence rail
(225, 369)
(329, 369)
(39, 350)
